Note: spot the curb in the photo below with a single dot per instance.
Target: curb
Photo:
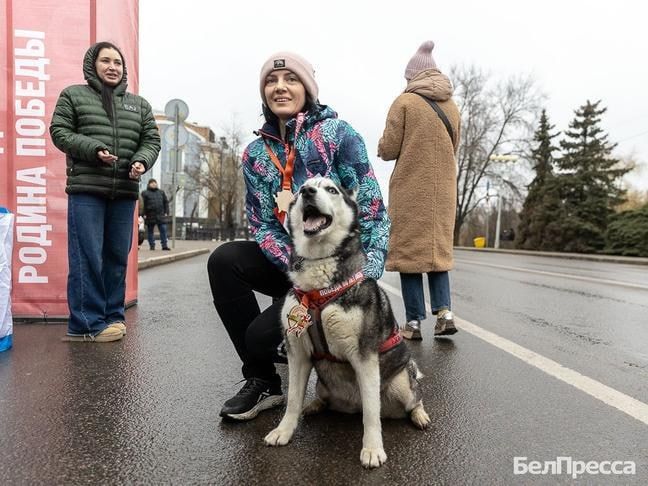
(567, 256)
(161, 260)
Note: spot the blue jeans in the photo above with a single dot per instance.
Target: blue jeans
(100, 233)
(150, 228)
(414, 299)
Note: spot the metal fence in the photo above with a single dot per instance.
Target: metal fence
(206, 229)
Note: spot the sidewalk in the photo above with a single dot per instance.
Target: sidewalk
(183, 249)
(567, 256)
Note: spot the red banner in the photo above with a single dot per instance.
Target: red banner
(42, 44)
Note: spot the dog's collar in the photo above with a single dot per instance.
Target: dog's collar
(318, 298)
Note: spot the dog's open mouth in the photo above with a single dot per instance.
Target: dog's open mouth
(314, 220)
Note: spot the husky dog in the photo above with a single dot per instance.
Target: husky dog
(341, 323)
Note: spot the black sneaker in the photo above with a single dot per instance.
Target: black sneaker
(255, 396)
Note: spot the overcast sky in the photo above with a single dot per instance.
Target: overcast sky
(209, 54)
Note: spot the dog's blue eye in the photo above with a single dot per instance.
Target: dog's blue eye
(332, 190)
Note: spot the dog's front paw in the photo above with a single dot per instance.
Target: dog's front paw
(373, 457)
(419, 417)
(278, 437)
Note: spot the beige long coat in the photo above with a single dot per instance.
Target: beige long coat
(422, 188)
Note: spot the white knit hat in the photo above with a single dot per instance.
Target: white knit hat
(421, 61)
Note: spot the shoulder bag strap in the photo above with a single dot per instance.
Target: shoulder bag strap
(441, 114)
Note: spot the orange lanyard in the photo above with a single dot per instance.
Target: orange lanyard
(286, 172)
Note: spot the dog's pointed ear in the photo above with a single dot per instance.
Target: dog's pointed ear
(352, 193)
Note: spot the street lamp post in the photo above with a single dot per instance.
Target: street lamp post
(499, 219)
(498, 158)
(487, 220)
(487, 211)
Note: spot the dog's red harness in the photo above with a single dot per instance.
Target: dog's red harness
(313, 302)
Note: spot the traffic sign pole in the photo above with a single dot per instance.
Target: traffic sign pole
(178, 111)
(176, 122)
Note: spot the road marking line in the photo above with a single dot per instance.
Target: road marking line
(556, 274)
(625, 403)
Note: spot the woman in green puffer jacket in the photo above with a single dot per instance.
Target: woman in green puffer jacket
(110, 139)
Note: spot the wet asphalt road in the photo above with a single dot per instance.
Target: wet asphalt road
(145, 410)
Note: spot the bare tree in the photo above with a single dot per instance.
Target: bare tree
(496, 117)
(191, 188)
(635, 196)
(233, 190)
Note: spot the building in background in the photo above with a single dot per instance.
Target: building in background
(209, 193)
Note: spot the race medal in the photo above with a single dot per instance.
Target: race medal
(298, 320)
(283, 200)
(284, 197)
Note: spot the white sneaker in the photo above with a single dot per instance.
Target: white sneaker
(107, 335)
(444, 323)
(412, 330)
(119, 325)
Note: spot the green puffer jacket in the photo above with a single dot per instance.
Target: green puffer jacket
(80, 127)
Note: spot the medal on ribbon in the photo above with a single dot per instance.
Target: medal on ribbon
(298, 320)
(283, 199)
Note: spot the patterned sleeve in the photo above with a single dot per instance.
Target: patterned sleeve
(259, 203)
(355, 170)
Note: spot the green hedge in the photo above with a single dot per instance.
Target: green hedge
(627, 233)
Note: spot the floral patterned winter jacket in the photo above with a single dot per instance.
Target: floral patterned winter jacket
(326, 146)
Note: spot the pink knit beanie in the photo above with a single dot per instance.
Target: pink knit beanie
(292, 62)
(421, 61)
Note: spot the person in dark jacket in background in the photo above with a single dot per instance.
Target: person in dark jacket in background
(110, 139)
(155, 208)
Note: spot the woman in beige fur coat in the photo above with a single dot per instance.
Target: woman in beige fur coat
(422, 190)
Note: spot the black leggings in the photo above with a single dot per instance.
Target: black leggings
(236, 269)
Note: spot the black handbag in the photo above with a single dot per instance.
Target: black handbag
(441, 114)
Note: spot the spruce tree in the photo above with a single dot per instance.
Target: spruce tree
(587, 183)
(627, 233)
(541, 201)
